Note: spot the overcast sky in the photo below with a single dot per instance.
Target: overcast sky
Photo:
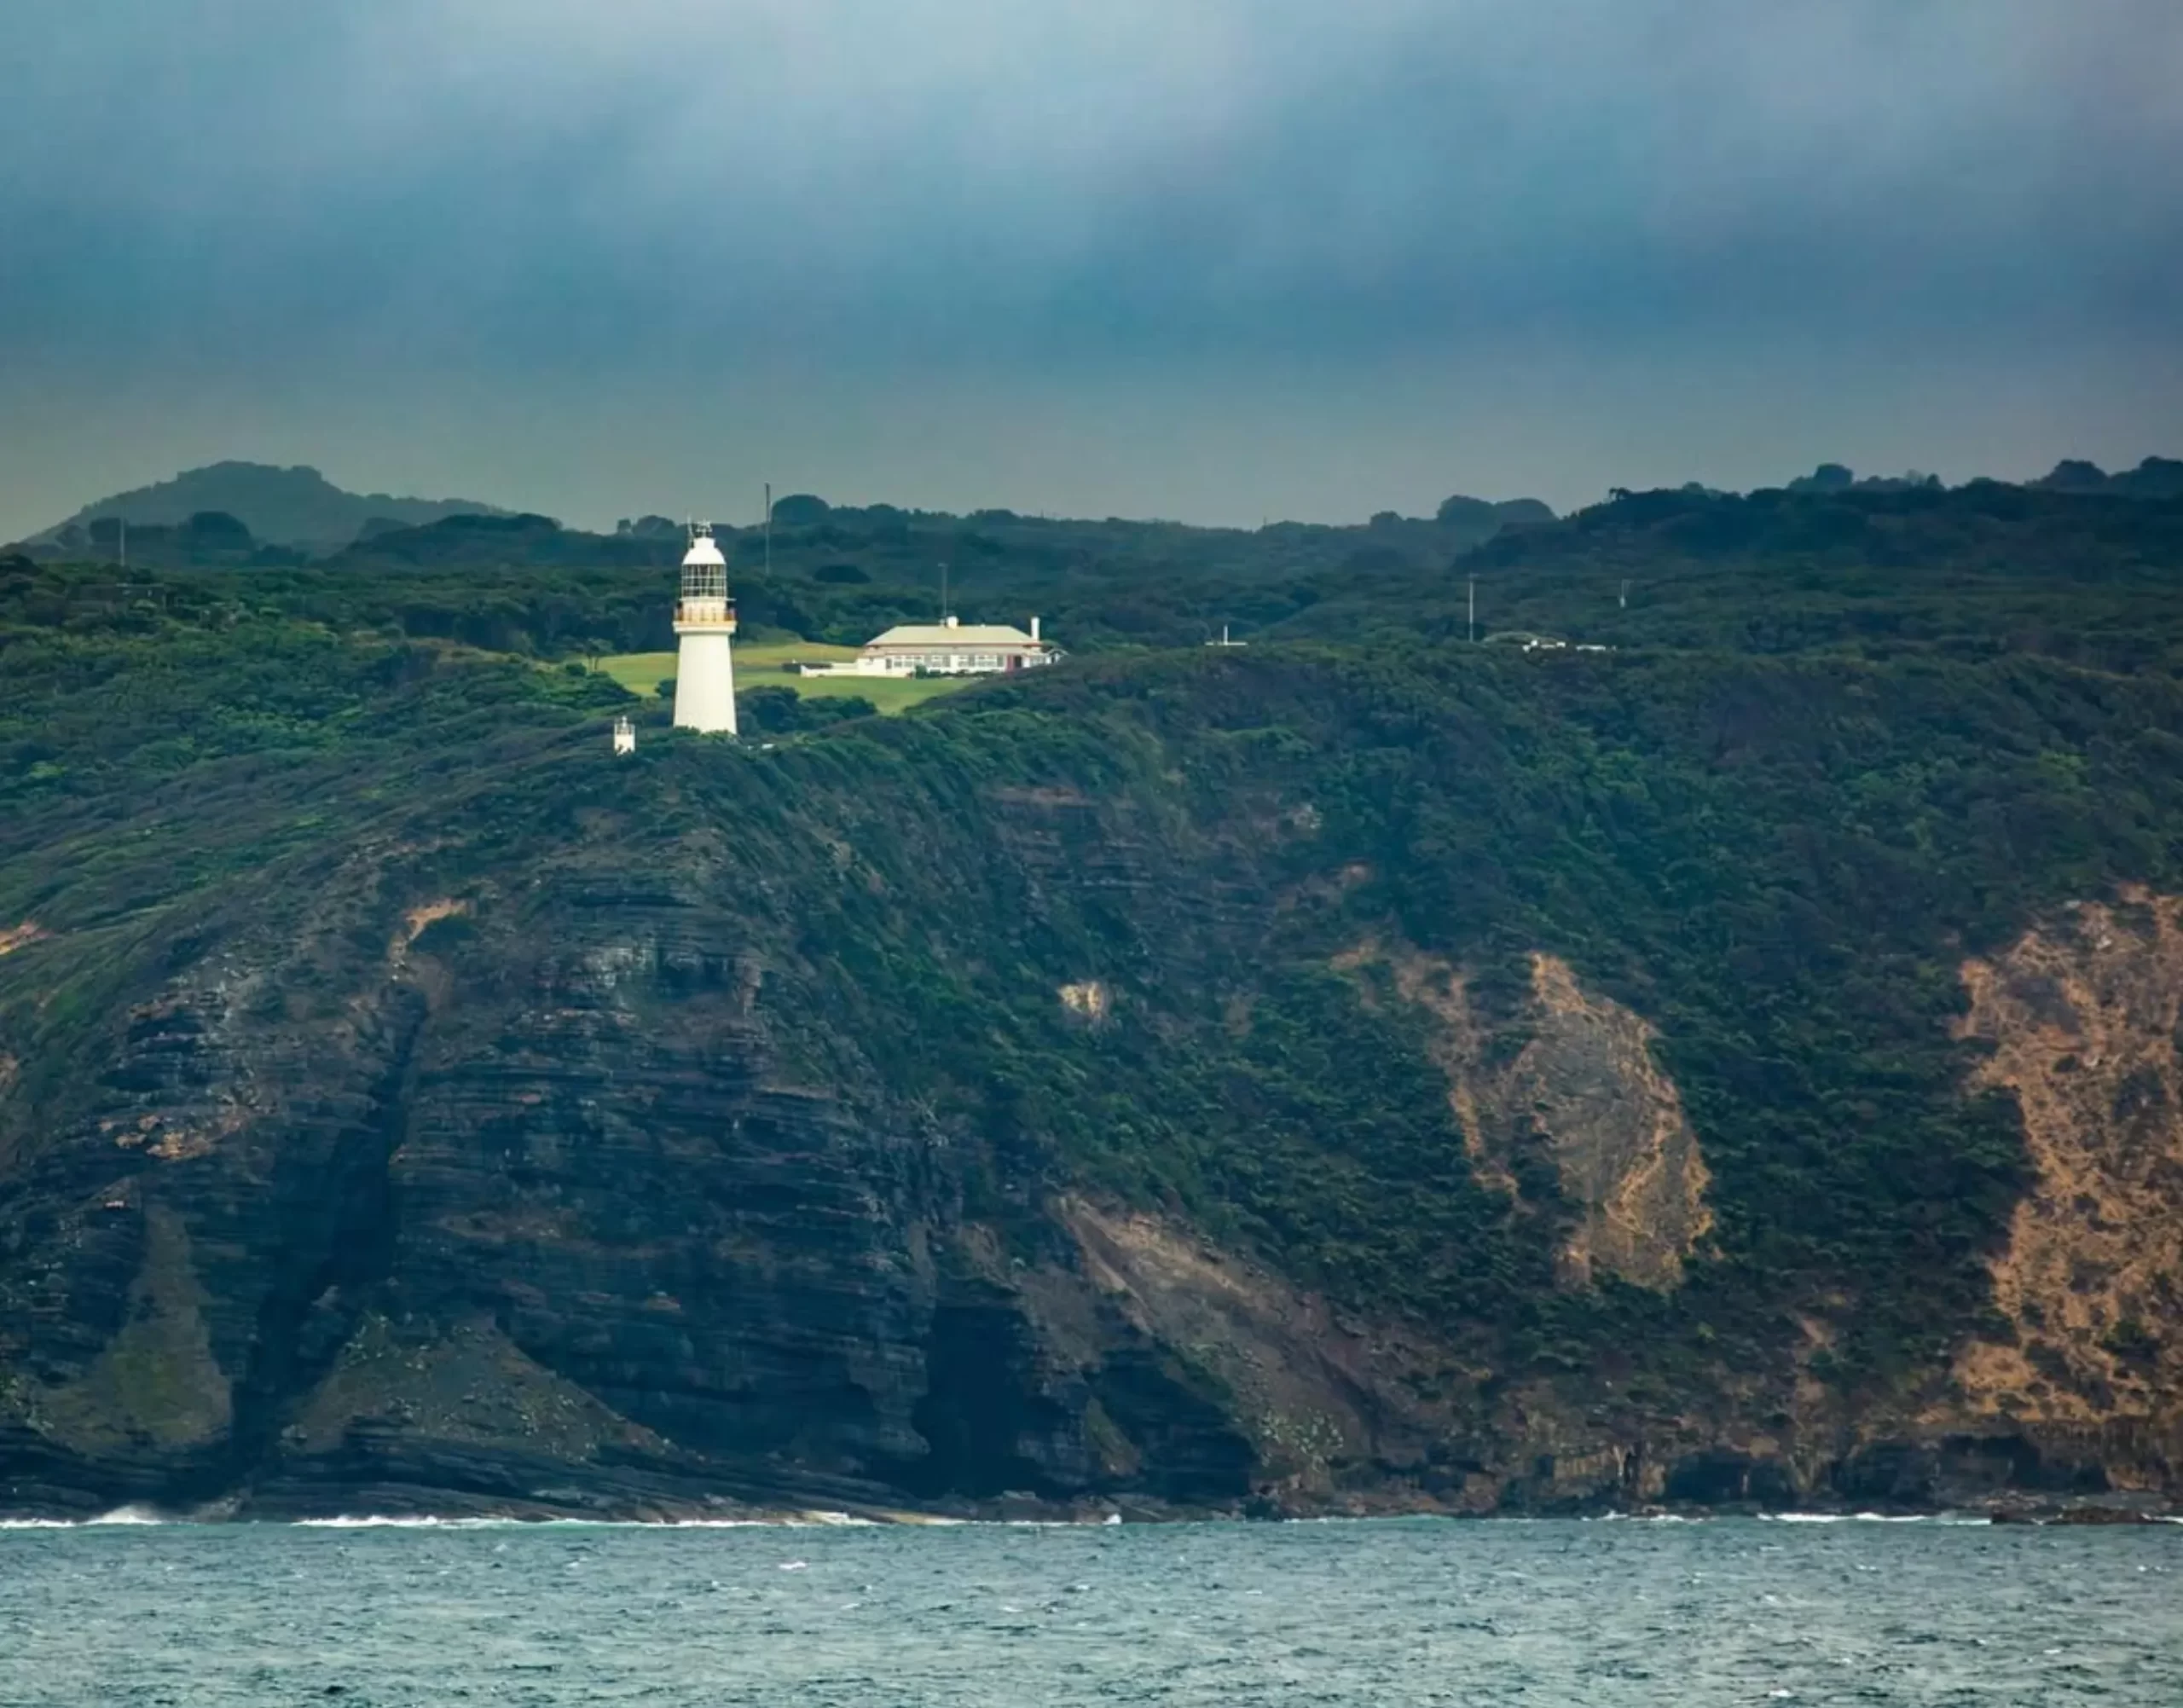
(1214, 259)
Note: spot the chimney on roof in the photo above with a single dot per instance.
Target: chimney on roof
(1034, 629)
(953, 620)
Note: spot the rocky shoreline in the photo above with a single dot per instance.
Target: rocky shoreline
(501, 1488)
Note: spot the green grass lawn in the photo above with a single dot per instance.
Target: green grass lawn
(759, 666)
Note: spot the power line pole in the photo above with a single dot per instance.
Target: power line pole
(1624, 600)
(1474, 608)
(769, 530)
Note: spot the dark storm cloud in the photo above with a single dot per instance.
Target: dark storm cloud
(1214, 259)
(560, 180)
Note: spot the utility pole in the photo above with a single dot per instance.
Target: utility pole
(769, 530)
(943, 592)
(1474, 608)
(123, 521)
(1624, 600)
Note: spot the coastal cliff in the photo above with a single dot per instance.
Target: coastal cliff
(1281, 1086)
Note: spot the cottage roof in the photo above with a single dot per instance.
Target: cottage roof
(956, 638)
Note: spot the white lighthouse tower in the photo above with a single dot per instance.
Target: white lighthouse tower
(705, 672)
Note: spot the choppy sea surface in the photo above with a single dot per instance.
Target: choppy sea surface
(1602, 1614)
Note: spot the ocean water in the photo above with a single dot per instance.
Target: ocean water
(1374, 1614)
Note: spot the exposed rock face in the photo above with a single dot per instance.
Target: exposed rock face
(156, 1380)
(2084, 1018)
(1091, 999)
(574, 1200)
(601, 1187)
(1586, 1087)
(1623, 1149)
(1302, 1390)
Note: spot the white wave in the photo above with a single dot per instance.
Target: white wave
(1936, 1518)
(130, 1515)
(819, 1519)
(377, 1522)
(812, 1520)
(433, 1521)
(801, 1520)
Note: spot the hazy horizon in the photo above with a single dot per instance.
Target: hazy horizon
(848, 499)
(1248, 262)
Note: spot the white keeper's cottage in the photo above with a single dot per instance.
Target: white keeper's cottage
(950, 647)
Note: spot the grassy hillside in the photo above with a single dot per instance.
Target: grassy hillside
(764, 664)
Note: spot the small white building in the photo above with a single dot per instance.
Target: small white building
(950, 647)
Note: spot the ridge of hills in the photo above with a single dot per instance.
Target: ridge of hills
(235, 511)
(295, 507)
(1366, 1070)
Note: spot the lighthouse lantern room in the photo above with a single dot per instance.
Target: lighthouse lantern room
(705, 670)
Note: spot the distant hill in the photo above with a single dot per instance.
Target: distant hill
(2154, 477)
(287, 507)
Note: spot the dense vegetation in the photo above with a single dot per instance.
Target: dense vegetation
(522, 584)
(1841, 740)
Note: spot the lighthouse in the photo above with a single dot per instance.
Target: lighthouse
(705, 671)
